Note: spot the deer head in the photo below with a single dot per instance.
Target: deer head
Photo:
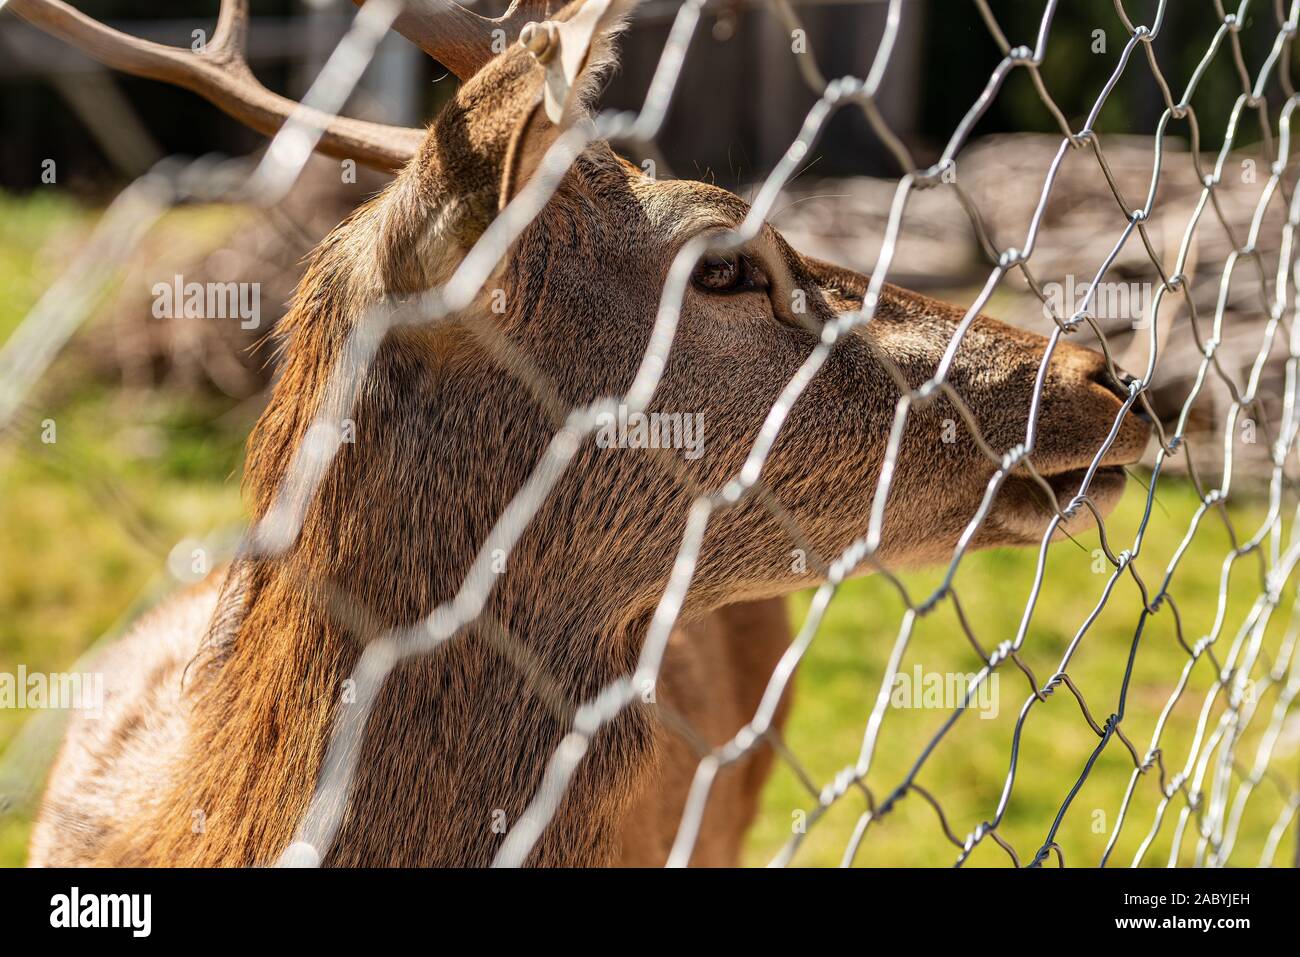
(454, 415)
(568, 316)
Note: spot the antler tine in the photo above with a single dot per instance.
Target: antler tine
(231, 35)
(221, 75)
(460, 39)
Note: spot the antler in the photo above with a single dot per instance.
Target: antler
(460, 39)
(221, 75)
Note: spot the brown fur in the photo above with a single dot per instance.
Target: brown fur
(448, 428)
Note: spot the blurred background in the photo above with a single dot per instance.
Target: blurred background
(740, 99)
(152, 414)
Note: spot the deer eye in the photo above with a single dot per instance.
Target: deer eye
(727, 274)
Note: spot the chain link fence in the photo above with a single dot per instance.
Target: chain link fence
(1203, 793)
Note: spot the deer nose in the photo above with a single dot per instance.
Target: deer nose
(1119, 387)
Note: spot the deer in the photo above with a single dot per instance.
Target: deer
(220, 702)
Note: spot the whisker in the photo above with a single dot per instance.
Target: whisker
(1078, 544)
(804, 170)
(1056, 509)
(805, 199)
(1155, 498)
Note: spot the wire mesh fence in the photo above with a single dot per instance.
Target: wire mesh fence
(1203, 794)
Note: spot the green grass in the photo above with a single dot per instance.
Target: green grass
(35, 233)
(88, 523)
(841, 675)
(88, 520)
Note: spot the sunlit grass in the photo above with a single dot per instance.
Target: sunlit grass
(89, 518)
(840, 678)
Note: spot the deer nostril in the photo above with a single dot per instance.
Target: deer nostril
(1139, 409)
(1119, 387)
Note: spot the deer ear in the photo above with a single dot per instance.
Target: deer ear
(488, 142)
(576, 52)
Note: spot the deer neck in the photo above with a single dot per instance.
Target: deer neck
(459, 739)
